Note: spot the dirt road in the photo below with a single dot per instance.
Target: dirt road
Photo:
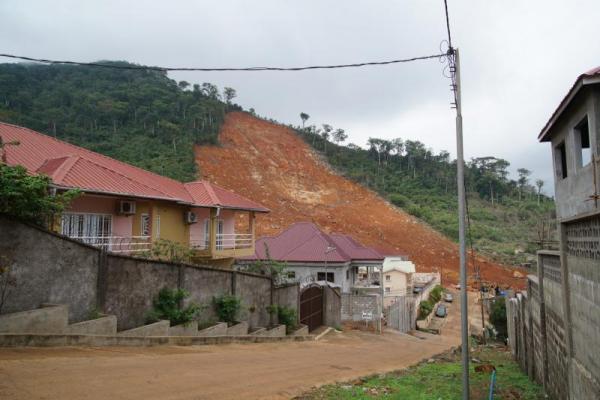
(245, 371)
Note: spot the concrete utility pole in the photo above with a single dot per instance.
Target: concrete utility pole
(460, 179)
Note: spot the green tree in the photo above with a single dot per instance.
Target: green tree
(523, 180)
(539, 183)
(29, 197)
(304, 117)
(229, 94)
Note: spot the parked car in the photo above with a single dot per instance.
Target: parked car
(417, 289)
(441, 311)
(448, 298)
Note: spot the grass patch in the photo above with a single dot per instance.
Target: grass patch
(439, 380)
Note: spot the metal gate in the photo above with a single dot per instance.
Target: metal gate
(401, 314)
(311, 307)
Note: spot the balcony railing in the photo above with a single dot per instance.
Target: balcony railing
(118, 244)
(226, 241)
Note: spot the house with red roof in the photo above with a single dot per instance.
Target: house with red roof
(312, 255)
(125, 208)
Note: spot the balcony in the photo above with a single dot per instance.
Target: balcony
(118, 244)
(225, 245)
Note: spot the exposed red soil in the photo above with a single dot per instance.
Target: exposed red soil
(268, 163)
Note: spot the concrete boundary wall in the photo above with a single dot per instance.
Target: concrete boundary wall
(554, 328)
(50, 268)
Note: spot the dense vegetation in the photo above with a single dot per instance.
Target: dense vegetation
(505, 215)
(138, 116)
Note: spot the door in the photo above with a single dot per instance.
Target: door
(311, 307)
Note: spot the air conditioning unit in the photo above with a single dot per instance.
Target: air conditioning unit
(190, 217)
(127, 207)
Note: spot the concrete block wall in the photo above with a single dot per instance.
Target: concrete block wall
(354, 305)
(50, 268)
(554, 327)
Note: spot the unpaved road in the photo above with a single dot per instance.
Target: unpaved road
(244, 371)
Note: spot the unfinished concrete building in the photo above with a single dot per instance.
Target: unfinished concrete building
(554, 328)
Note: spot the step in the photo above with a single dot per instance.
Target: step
(277, 331)
(105, 325)
(160, 328)
(301, 331)
(257, 331)
(240, 329)
(219, 329)
(189, 329)
(49, 319)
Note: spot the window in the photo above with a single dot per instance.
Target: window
(347, 274)
(206, 233)
(90, 228)
(388, 278)
(582, 143)
(291, 274)
(321, 276)
(145, 225)
(560, 160)
(158, 226)
(388, 289)
(220, 234)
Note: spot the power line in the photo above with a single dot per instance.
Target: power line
(224, 69)
(448, 24)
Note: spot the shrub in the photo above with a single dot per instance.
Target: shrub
(168, 305)
(399, 200)
(286, 316)
(227, 307)
(498, 317)
(425, 309)
(436, 294)
(163, 249)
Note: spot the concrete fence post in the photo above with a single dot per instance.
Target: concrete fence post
(101, 280)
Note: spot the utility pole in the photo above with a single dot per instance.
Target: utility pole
(453, 57)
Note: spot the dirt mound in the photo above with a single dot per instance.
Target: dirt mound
(270, 164)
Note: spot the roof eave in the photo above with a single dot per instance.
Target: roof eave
(582, 81)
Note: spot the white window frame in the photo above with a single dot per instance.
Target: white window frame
(84, 228)
(145, 225)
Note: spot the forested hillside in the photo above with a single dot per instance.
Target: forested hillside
(507, 216)
(138, 116)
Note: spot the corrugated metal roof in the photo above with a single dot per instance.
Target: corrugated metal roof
(579, 82)
(72, 166)
(305, 242)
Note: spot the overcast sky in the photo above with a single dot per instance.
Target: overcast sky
(518, 59)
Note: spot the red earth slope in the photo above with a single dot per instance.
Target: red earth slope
(269, 164)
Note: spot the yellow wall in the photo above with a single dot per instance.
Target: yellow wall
(172, 223)
(141, 207)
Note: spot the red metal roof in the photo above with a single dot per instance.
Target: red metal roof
(579, 82)
(209, 194)
(305, 242)
(75, 167)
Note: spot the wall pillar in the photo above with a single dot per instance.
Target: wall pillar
(566, 297)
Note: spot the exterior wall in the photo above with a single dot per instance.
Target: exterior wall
(573, 191)
(304, 274)
(49, 268)
(121, 224)
(172, 223)
(197, 230)
(141, 207)
(583, 285)
(398, 285)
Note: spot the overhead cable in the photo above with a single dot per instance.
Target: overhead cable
(223, 69)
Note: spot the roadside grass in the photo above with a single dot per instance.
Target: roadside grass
(439, 379)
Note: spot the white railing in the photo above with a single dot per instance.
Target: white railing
(226, 241)
(117, 244)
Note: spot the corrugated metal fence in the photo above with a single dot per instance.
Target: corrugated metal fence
(401, 315)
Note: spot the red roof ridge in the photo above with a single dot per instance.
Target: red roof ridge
(63, 168)
(110, 159)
